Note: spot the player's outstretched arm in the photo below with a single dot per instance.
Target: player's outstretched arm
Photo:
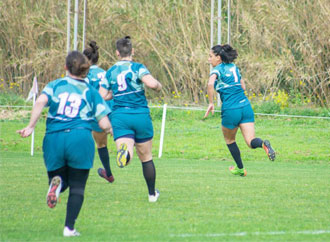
(152, 83)
(210, 93)
(36, 112)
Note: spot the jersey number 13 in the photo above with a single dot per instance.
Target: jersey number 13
(69, 104)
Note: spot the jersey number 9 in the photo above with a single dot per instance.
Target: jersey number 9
(121, 81)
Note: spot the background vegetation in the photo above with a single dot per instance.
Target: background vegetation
(283, 45)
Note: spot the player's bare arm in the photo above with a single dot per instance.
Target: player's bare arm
(210, 93)
(36, 112)
(151, 82)
(104, 93)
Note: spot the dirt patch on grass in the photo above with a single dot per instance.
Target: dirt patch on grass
(11, 114)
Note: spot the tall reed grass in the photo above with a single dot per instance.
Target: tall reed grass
(282, 45)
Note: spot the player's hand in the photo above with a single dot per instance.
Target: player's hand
(25, 132)
(209, 109)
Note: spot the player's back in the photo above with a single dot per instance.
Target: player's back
(228, 84)
(95, 75)
(72, 103)
(125, 80)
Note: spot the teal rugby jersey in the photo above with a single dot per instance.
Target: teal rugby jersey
(72, 104)
(228, 85)
(95, 75)
(124, 79)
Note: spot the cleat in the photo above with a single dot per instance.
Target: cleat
(69, 233)
(54, 191)
(236, 171)
(102, 173)
(122, 155)
(269, 150)
(153, 198)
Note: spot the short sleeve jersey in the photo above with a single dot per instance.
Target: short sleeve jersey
(72, 104)
(228, 85)
(125, 80)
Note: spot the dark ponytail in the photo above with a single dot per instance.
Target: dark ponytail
(77, 64)
(92, 52)
(226, 52)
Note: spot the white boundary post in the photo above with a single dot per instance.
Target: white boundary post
(219, 41)
(211, 37)
(84, 27)
(75, 37)
(34, 91)
(228, 20)
(68, 28)
(32, 135)
(219, 22)
(162, 132)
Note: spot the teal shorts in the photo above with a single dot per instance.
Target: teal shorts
(231, 118)
(137, 126)
(73, 147)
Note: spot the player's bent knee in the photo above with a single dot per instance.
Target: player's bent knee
(77, 191)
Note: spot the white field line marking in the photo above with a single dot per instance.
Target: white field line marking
(240, 234)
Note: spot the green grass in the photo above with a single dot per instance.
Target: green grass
(200, 200)
(197, 198)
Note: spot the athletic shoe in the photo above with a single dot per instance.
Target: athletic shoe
(269, 150)
(54, 191)
(236, 171)
(122, 155)
(69, 233)
(103, 174)
(153, 198)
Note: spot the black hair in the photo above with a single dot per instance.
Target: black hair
(124, 46)
(226, 52)
(92, 52)
(77, 64)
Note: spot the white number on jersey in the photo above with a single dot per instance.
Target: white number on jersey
(72, 109)
(101, 75)
(121, 81)
(233, 70)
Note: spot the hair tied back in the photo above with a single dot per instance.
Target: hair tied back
(93, 45)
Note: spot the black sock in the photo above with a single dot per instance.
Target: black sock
(77, 182)
(149, 173)
(104, 157)
(256, 143)
(236, 154)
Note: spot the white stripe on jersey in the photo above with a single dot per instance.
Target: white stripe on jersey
(239, 84)
(122, 94)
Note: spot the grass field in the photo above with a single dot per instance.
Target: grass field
(286, 200)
